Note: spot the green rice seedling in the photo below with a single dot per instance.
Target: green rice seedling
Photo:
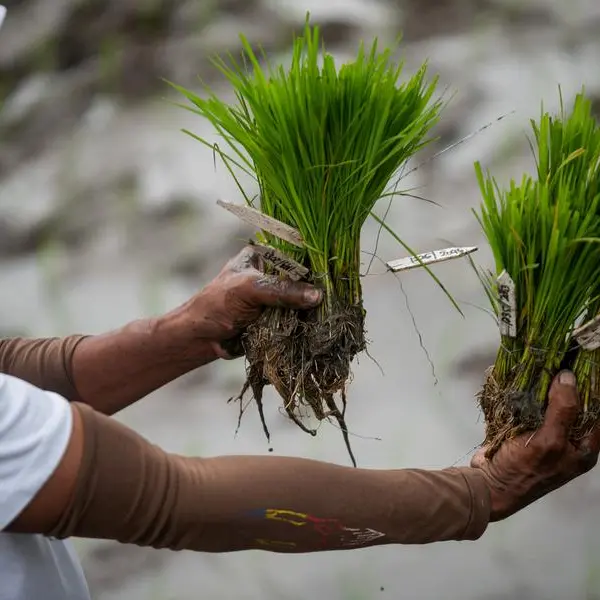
(544, 234)
(322, 142)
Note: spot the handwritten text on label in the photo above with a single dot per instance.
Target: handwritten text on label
(284, 264)
(507, 319)
(435, 256)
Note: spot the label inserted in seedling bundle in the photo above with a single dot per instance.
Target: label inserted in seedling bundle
(435, 256)
(284, 264)
(588, 335)
(507, 320)
(260, 221)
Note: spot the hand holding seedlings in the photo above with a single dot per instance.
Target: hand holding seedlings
(323, 142)
(534, 464)
(238, 295)
(544, 232)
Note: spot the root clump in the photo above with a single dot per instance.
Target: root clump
(307, 359)
(509, 413)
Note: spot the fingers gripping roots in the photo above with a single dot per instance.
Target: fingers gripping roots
(508, 413)
(306, 358)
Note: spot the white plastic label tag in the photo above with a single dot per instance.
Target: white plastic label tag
(507, 297)
(427, 258)
(257, 219)
(588, 335)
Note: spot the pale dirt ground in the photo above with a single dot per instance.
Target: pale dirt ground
(136, 260)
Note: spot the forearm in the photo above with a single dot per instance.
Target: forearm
(133, 492)
(109, 371)
(113, 370)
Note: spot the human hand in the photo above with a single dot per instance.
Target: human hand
(532, 465)
(236, 298)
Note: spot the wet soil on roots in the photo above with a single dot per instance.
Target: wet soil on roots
(306, 357)
(509, 413)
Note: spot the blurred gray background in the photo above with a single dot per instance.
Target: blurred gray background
(107, 213)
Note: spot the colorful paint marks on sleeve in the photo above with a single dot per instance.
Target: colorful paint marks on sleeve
(332, 533)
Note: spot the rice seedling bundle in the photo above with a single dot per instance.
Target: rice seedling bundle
(544, 233)
(322, 143)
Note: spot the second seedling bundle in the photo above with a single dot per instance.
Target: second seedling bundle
(544, 232)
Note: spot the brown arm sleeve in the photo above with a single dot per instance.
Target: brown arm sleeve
(112, 370)
(45, 363)
(133, 492)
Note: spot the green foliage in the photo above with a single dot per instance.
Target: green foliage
(544, 231)
(323, 143)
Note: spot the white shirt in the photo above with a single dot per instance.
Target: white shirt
(35, 427)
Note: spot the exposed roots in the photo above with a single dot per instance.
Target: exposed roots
(306, 359)
(509, 413)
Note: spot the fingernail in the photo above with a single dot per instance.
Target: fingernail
(567, 378)
(313, 295)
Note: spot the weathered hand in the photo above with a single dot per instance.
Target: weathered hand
(237, 296)
(532, 465)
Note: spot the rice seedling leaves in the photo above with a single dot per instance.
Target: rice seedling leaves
(543, 232)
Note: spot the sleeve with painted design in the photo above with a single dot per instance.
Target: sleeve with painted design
(129, 490)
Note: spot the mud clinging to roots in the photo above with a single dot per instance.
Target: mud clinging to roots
(509, 413)
(306, 357)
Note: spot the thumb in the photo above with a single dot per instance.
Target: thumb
(271, 290)
(563, 406)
